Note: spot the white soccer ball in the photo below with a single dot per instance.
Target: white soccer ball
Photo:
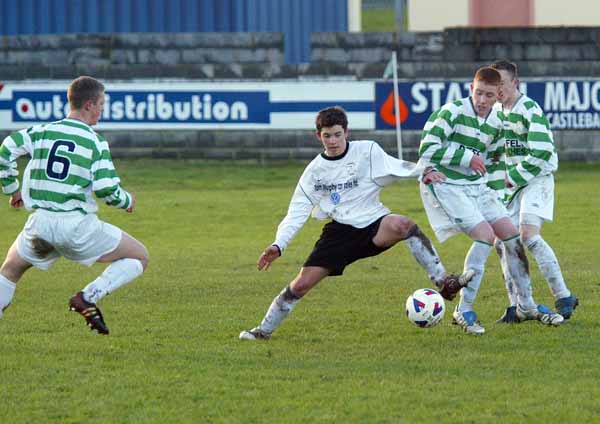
(425, 308)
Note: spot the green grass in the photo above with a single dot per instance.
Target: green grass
(346, 354)
(378, 20)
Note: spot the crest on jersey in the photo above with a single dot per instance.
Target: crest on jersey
(351, 168)
(335, 197)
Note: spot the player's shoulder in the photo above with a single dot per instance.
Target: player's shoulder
(362, 144)
(37, 128)
(528, 106)
(363, 147)
(457, 106)
(452, 109)
(77, 128)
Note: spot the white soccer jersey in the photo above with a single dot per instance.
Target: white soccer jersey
(345, 189)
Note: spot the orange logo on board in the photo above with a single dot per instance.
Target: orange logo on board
(387, 110)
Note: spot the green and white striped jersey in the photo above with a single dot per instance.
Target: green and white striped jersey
(453, 134)
(528, 141)
(68, 162)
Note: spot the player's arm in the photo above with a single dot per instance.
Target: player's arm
(434, 149)
(106, 184)
(14, 146)
(384, 169)
(541, 148)
(298, 213)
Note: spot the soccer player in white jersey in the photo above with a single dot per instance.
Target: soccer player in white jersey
(458, 140)
(69, 162)
(531, 161)
(343, 183)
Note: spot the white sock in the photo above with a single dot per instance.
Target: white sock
(7, 291)
(511, 289)
(475, 260)
(280, 308)
(518, 267)
(548, 264)
(114, 276)
(425, 254)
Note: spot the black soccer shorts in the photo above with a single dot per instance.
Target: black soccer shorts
(341, 244)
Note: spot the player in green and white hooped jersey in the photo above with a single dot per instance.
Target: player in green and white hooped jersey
(68, 162)
(460, 140)
(531, 160)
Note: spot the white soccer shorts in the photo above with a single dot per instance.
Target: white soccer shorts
(78, 237)
(453, 209)
(534, 200)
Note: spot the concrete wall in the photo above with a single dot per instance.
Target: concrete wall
(453, 53)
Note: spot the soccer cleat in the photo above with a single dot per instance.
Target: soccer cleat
(509, 317)
(468, 321)
(255, 334)
(89, 311)
(452, 284)
(542, 313)
(566, 305)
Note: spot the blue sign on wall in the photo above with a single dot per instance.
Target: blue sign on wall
(151, 106)
(187, 105)
(567, 104)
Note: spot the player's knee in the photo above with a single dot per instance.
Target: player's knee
(527, 235)
(11, 272)
(300, 288)
(302, 284)
(144, 257)
(402, 227)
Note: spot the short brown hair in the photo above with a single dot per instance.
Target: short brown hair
(488, 75)
(505, 65)
(328, 117)
(84, 89)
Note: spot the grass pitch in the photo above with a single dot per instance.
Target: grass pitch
(346, 353)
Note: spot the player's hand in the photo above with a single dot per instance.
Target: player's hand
(434, 177)
(130, 208)
(268, 255)
(478, 165)
(508, 184)
(16, 201)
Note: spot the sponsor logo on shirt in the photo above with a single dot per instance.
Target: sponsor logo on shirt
(337, 186)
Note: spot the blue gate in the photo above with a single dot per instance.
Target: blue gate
(296, 19)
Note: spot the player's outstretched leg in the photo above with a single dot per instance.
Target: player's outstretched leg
(280, 308)
(425, 254)
(90, 312)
